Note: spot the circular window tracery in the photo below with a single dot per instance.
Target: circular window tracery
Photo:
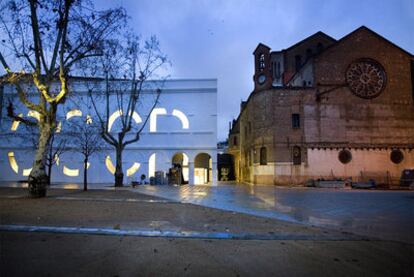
(396, 156)
(366, 78)
(345, 156)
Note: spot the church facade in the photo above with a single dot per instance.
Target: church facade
(326, 108)
(181, 129)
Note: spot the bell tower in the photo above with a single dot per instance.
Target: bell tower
(262, 75)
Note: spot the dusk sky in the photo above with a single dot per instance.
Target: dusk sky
(215, 39)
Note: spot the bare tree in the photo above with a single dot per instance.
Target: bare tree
(30, 134)
(84, 137)
(44, 41)
(55, 148)
(127, 68)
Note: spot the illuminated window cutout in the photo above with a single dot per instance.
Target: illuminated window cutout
(151, 166)
(88, 119)
(26, 172)
(153, 118)
(184, 120)
(59, 127)
(72, 172)
(13, 163)
(133, 169)
(109, 165)
(136, 117)
(57, 159)
(116, 114)
(112, 119)
(34, 114)
(16, 123)
(73, 113)
(130, 171)
(15, 167)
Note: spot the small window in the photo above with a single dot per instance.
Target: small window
(297, 155)
(278, 70)
(262, 62)
(396, 156)
(295, 120)
(235, 141)
(298, 62)
(308, 53)
(263, 156)
(345, 156)
(251, 157)
(319, 47)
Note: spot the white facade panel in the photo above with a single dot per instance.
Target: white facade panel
(186, 122)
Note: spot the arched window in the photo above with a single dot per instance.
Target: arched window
(261, 62)
(296, 155)
(235, 141)
(263, 156)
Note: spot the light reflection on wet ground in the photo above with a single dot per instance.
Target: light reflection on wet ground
(380, 214)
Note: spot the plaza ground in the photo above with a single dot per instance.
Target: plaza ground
(128, 233)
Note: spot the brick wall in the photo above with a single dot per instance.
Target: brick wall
(370, 128)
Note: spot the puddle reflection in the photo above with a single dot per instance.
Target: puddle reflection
(387, 213)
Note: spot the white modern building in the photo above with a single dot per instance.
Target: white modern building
(182, 128)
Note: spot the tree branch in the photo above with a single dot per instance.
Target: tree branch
(11, 114)
(57, 43)
(13, 78)
(145, 122)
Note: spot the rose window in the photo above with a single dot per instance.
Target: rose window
(366, 78)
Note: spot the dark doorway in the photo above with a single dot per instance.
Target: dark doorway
(225, 167)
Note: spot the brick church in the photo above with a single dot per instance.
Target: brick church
(326, 108)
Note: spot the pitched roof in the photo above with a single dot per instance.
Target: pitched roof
(309, 37)
(372, 32)
(261, 45)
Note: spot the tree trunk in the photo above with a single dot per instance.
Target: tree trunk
(119, 174)
(38, 180)
(85, 174)
(49, 172)
(50, 158)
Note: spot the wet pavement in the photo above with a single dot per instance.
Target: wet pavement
(130, 232)
(380, 214)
